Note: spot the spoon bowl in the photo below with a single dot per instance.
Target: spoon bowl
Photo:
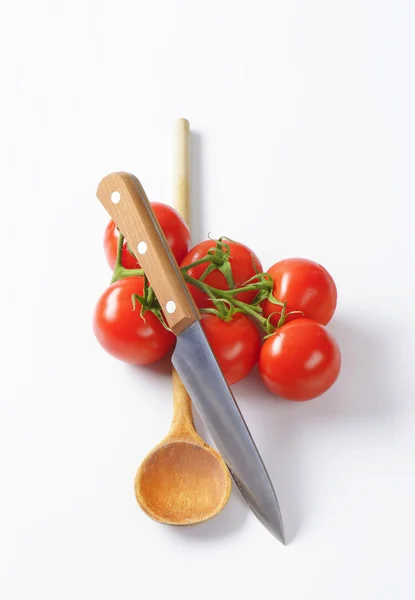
(182, 481)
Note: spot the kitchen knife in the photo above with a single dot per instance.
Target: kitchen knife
(125, 200)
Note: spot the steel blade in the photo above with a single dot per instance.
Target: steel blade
(213, 399)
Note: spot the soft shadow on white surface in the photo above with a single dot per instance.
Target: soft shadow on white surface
(361, 397)
(196, 188)
(364, 393)
(162, 367)
(276, 433)
(151, 376)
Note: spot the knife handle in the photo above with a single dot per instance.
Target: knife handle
(125, 200)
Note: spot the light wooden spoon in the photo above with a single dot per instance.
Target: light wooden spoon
(183, 481)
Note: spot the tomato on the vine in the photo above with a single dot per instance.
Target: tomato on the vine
(123, 332)
(244, 264)
(111, 237)
(306, 286)
(235, 343)
(300, 361)
(173, 225)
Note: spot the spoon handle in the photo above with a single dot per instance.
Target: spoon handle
(182, 424)
(181, 170)
(182, 404)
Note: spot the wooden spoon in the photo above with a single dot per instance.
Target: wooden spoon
(183, 481)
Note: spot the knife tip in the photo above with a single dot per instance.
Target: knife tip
(276, 528)
(279, 534)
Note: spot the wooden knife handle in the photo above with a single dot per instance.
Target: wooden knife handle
(125, 200)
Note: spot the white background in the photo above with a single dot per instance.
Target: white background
(303, 145)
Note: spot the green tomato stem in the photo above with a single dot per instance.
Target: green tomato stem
(118, 261)
(223, 293)
(215, 294)
(247, 309)
(207, 259)
(122, 273)
(228, 294)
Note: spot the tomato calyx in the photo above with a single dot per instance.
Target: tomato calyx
(269, 327)
(271, 330)
(264, 290)
(224, 309)
(218, 257)
(149, 302)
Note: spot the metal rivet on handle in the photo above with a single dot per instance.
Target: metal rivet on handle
(141, 248)
(170, 306)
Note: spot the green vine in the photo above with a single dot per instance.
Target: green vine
(225, 303)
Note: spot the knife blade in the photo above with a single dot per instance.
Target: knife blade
(125, 200)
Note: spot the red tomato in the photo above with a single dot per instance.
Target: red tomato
(235, 343)
(111, 236)
(242, 261)
(300, 361)
(175, 229)
(305, 286)
(121, 330)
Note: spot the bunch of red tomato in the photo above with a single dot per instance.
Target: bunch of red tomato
(275, 319)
